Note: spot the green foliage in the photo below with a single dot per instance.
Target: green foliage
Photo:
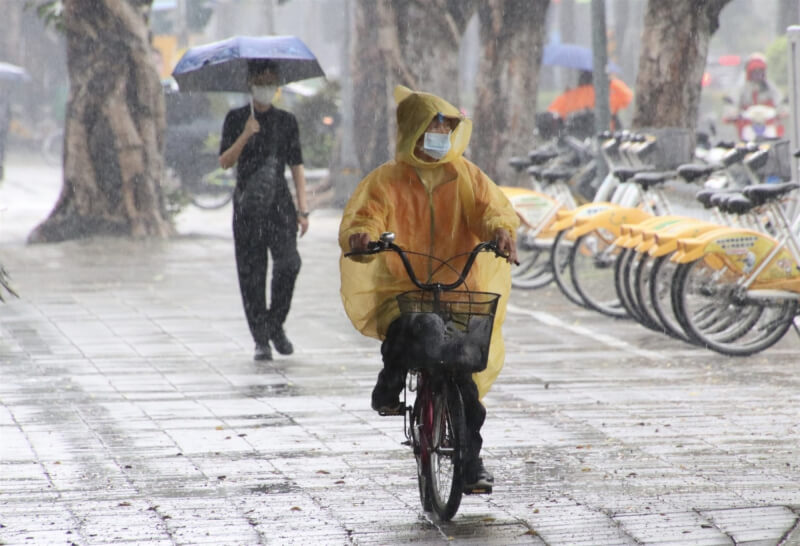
(48, 11)
(778, 63)
(318, 119)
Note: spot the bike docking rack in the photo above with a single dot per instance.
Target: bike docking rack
(625, 253)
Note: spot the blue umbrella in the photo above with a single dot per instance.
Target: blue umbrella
(13, 73)
(222, 66)
(571, 56)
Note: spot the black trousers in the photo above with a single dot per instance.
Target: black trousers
(265, 222)
(398, 349)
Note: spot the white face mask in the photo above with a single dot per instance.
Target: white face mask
(264, 93)
(436, 145)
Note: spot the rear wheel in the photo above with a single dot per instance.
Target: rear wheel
(447, 451)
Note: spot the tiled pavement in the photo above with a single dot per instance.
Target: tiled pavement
(131, 412)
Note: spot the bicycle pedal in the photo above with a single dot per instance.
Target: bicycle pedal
(400, 410)
(478, 491)
(406, 443)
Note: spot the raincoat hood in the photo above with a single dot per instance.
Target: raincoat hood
(415, 110)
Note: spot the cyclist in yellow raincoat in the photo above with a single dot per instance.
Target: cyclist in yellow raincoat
(439, 204)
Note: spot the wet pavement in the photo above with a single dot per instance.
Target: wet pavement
(131, 411)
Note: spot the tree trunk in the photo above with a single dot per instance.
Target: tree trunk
(401, 42)
(512, 38)
(673, 57)
(114, 126)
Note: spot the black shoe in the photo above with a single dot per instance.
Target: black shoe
(263, 352)
(281, 342)
(477, 479)
(386, 394)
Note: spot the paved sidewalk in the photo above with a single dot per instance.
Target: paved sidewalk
(131, 412)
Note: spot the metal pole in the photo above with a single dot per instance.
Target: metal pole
(793, 34)
(180, 23)
(602, 115)
(347, 176)
(269, 9)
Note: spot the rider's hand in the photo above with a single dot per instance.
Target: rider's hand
(251, 127)
(359, 241)
(506, 244)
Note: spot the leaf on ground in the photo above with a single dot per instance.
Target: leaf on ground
(296, 509)
(322, 472)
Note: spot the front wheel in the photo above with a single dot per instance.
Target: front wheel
(448, 436)
(420, 426)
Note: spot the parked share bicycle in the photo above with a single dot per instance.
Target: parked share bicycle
(435, 425)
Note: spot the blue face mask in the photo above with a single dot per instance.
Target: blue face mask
(436, 145)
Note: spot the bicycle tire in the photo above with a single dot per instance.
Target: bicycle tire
(622, 271)
(448, 435)
(559, 264)
(662, 277)
(211, 201)
(720, 318)
(534, 270)
(419, 433)
(591, 262)
(639, 291)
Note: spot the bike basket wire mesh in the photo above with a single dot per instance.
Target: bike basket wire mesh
(448, 328)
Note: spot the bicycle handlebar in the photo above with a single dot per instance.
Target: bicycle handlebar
(386, 242)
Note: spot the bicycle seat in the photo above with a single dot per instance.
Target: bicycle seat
(650, 179)
(691, 171)
(518, 163)
(557, 173)
(626, 173)
(538, 157)
(535, 171)
(756, 160)
(705, 196)
(735, 203)
(734, 156)
(763, 193)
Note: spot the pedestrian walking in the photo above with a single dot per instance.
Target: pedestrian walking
(439, 204)
(261, 140)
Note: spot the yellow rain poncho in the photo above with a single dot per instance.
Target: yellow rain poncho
(441, 209)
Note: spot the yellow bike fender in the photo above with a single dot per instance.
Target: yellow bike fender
(532, 207)
(667, 241)
(566, 221)
(743, 249)
(610, 220)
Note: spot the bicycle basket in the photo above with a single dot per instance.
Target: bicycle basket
(453, 328)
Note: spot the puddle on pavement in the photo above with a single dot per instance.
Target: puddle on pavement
(273, 488)
(273, 390)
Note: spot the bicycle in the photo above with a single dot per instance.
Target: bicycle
(435, 425)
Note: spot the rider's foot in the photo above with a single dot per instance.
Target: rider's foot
(281, 342)
(263, 352)
(386, 394)
(476, 478)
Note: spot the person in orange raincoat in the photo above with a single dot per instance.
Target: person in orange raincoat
(438, 204)
(582, 97)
